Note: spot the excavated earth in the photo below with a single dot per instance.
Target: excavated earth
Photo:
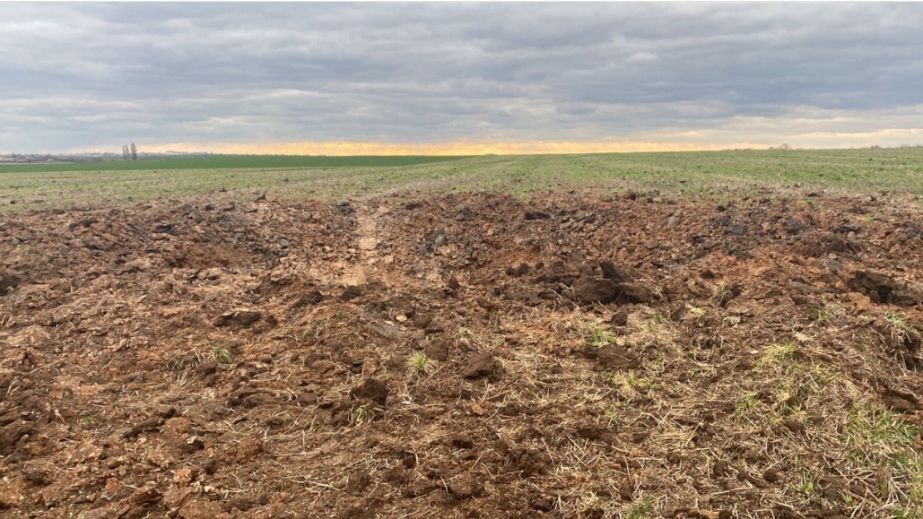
(573, 355)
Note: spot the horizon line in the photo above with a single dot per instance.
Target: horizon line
(161, 154)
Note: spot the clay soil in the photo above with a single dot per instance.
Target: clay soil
(573, 355)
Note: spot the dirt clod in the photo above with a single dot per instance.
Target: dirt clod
(240, 318)
(611, 357)
(462, 442)
(481, 365)
(595, 290)
(619, 318)
(634, 293)
(8, 282)
(900, 401)
(881, 288)
(771, 476)
(351, 292)
(465, 486)
(372, 390)
(542, 503)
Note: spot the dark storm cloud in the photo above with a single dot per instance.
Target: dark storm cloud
(84, 75)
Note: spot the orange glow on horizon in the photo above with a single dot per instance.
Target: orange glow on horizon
(334, 148)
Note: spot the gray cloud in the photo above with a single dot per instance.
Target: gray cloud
(90, 75)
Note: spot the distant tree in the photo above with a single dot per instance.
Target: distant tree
(134, 152)
(124, 152)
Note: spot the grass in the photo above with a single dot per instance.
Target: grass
(360, 414)
(696, 310)
(723, 293)
(874, 433)
(628, 385)
(418, 363)
(229, 162)
(639, 509)
(841, 448)
(747, 402)
(775, 354)
(613, 418)
(720, 174)
(902, 331)
(595, 335)
(222, 356)
(880, 443)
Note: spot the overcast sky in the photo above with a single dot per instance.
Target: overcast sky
(285, 77)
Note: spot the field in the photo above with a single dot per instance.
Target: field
(710, 335)
(721, 174)
(226, 162)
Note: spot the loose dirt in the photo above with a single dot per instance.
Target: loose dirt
(463, 356)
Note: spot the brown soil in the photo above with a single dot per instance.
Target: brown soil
(464, 356)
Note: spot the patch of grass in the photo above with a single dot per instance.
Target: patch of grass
(638, 382)
(360, 414)
(655, 324)
(418, 363)
(902, 332)
(878, 440)
(809, 484)
(723, 293)
(746, 403)
(696, 310)
(776, 354)
(639, 509)
(222, 355)
(789, 395)
(595, 335)
(611, 378)
(821, 375)
(184, 376)
(613, 417)
(824, 314)
(794, 386)
(628, 384)
(842, 450)
(874, 433)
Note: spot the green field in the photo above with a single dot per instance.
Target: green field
(722, 174)
(228, 162)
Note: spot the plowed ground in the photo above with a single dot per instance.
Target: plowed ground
(572, 355)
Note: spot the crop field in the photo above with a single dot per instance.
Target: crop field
(227, 162)
(683, 335)
(720, 174)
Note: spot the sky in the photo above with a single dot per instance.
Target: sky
(436, 78)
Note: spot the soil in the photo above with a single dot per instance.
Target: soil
(581, 354)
